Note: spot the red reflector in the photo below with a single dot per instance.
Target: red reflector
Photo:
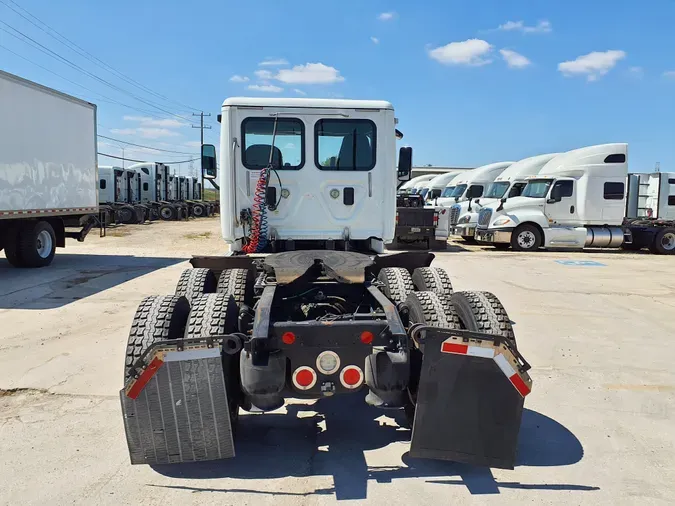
(304, 378)
(520, 385)
(352, 377)
(397, 217)
(367, 337)
(461, 349)
(144, 377)
(288, 338)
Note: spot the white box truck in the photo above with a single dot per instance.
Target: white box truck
(48, 170)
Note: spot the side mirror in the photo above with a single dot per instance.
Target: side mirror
(404, 163)
(555, 195)
(209, 164)
(502, 200)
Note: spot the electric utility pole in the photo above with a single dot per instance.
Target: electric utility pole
(201, 129)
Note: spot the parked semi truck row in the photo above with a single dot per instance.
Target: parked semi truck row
(585, 198)
(48, 162)
(149, 191)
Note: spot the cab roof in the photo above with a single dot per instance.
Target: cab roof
(314, 103)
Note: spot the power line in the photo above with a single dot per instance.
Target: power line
(85, 54)
(104, 97)
(147, 147)
(143, 161)
(57, 56)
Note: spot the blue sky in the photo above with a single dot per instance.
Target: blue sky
(471, 82)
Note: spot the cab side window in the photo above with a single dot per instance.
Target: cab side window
(517, 189)
(565, 188)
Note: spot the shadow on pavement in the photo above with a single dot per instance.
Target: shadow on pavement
(71, 278)
(277, 445)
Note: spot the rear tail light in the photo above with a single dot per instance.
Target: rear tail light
(351, 377)
(304, 378)
(397, 217)
(435, 219)
(367, 337)
(288, 338)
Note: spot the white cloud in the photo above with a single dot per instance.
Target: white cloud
(375, 40)
(593, 65)
(543, 26)
(145, 132)
(266, 88)
(514, 60)
(238, 79)
(263, 74)
(637, 72)
(311, 73)
(299, 92)
(193, 144)
(669, 74)
(271, 62)
(155, 122)
(386, 16)
(471, 52)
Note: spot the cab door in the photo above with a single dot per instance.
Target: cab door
(560, 206)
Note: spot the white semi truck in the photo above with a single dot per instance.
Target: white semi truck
(508, 184)
(468, 185)
(48, 170)
(578, 200)
(305, 306)
(118, 193)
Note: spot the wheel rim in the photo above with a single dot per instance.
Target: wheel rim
(198, 211)
(668, 241)
(44, 244)
(126, 215)
(526, 239)
(166, 213)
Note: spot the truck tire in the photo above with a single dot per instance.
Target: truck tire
(158, 318)
(12, 252)
(432, 279)
(526, 237)
(212, 315)
(428, 309)
(167, 212)
(127, 215)
(664, 242)
(238, 284)
(36, 244)
(396, 283)
(196, 282)
(198, 211)
(483, 312)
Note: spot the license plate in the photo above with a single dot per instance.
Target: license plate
(415, 229)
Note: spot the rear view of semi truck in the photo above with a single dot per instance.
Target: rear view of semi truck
(48, 170)
(306, 305)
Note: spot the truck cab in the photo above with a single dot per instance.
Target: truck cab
(411, 185)
(651, 196)
(470, 186)
(508, 184)
(576, 200)
(438, 185)
(318, 170)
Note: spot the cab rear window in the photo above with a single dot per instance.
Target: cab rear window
(280, 141)
(345, 144)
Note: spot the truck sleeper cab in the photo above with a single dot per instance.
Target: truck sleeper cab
(577, 200)
(115, 195)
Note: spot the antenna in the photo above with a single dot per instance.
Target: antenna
(657, 167)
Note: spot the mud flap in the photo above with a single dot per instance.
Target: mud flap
(470, 399)
(176, 410)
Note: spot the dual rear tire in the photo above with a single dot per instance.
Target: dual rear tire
(30, 244)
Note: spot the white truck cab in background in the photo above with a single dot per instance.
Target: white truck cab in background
(576, 200)
(651, 195)
(508, 184)
(411, 186)
(438, 184)
(469, 186)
